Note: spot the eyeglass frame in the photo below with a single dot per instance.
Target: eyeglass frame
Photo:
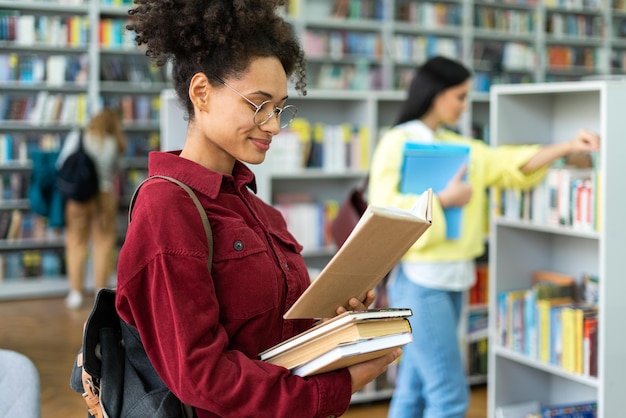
(257, 108)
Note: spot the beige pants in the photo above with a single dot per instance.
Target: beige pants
(95, 222)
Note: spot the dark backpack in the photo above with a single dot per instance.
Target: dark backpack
(112, 369)
(77, 179)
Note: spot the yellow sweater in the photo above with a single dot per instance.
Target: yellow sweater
(488, 166)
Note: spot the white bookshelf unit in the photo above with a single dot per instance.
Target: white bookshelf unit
(546, 113)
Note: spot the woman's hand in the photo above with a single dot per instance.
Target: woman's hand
(457, 192)
(358, 305)
(584, 141)
(365, 372)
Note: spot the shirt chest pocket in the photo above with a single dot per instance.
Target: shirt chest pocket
(245, 274)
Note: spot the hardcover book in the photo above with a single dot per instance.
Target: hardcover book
(432, 166)
(375, 245)
(344, 355)
(349, 327)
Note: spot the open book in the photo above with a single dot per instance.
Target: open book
(379, 240)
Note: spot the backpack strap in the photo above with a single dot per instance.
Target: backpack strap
(91, 383)
(203, 215)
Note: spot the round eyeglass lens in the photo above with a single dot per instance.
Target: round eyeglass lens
(267, 110)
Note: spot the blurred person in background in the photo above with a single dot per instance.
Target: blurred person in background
(95, 220)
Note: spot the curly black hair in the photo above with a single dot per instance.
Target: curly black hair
(216, 37)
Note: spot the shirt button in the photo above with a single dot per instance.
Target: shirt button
(287, 266)
(332, 416)
(238, 245)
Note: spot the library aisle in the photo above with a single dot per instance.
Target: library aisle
(50, 335)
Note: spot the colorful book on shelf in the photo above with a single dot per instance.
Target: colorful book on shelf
(550, 284)
(432, 165)
(571, 410)
(348, 327)
(379, 240)
(345, 355)
(545, 329)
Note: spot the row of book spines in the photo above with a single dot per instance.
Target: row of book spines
(44, 108)
(19, 224)
(574, 4)
(359, 75)
(478, 294)
(569, 410)
(566, 197)
(411, 48)
(30, 30)
(112, 33)
(56, 70)
(331, 147)
(340, 44)
(339, 9)
(135, 107)
(561, 57)
(131, 68)
(556, 331)
(116, 2)
(31, 264)
(19, 147)
(574, 25)
(431, 14)
(506, 20)
(310, 222)
(477, 358)
(50, 69)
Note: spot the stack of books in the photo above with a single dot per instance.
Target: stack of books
(375, 245)
(346, 339)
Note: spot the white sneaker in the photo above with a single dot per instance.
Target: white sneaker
(74, 299)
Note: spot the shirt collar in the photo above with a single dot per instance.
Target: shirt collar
(196, 176)
(418, 130)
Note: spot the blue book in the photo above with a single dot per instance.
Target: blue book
(432, 165)
(573, 410)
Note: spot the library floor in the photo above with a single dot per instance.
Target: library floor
(49, 334)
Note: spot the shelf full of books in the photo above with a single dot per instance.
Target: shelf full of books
(555, 258)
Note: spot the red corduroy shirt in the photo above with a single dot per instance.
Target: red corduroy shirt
(203, 330)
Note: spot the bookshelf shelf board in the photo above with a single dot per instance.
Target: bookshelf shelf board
(43, 49)
(502, 36)
(413, 29)
(539, 365)
(33, 288)
(22, 204)
(147, 87)
(16, 166)
(26, 244)
(18, 86)
(119, 11)
(26, 126)
(547, 229)
(41, 6)
(345, 24)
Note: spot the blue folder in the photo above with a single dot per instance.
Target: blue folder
(432, 165)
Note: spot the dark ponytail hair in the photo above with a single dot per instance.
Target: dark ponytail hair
(436, 75)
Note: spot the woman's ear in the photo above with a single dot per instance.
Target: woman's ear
(199, 91)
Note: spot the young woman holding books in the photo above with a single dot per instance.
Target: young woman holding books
(203, 330)
(434, 274)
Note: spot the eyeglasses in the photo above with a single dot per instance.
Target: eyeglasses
(267, 109)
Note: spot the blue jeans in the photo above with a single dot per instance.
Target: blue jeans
(431, 380)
